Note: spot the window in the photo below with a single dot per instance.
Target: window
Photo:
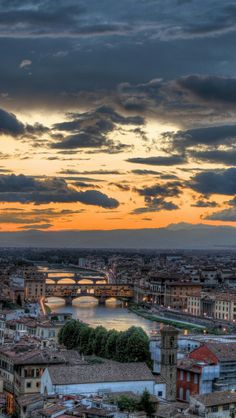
(181, 393)
(195, 378)
(214, 409)
(188, 377)
(159, 393)
(181, 375)
(187, 394)
(226, 407)
(28, 384)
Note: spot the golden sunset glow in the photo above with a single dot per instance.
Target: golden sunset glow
(106, 128)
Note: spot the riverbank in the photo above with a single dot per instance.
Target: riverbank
(138, 310)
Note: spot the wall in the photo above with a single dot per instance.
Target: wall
(137, 387)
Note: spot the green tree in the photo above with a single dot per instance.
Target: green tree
(84, 336)
(146, 404)
(110, 347)
(138, 347)
(100, 333)
(126, 403)
(121, 347)
(69, 333)
(90, 342)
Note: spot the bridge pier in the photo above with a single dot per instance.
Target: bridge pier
(68, 300)
(101, 300)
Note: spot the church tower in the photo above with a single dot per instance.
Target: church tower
(169, 347)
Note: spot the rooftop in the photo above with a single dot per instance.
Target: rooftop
(105, 372)
(217, 398)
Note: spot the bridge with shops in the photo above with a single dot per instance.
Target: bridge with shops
(100, 291)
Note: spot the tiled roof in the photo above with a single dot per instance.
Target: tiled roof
(32, 354)
(105, 372)
(223, 351)
(217, 398)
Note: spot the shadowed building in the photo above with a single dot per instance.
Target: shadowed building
(169, 346)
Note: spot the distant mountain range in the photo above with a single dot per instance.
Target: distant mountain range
(175, 236)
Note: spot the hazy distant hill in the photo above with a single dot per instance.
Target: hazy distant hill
(181, 235)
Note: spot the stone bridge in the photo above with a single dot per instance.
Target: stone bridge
(70, 291)
(75, 279)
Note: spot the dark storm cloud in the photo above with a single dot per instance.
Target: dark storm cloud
(27, 189)
(208, 136)
(104, 117)
(216, 156)
(211, 182)
(36, 216)
(225, 215)
(212, 89)
(121, 186)
(10, 125)
(155, 197)
(92, 172)
(36, 227)
(159, 160)
(169, 20)
(140, 172)
(82, 184)
(90, 130)
(169, 189)
(155, 205)
(71, 66)
(204, 204)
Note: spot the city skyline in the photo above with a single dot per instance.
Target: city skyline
(117, 115)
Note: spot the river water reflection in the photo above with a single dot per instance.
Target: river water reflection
(111, 315)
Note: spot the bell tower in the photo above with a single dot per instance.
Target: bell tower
(169, 347)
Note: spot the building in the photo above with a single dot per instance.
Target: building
(99, 378)
(221, 306)
(223, 355)
(177, 293)
(2, 328)
(35, 282)
(214, 405)
(22, 365)
(210, 276)
(169, 347)
(195, 377)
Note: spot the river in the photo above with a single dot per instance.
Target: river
(111, 315)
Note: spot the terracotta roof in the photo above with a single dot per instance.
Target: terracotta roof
(217, 398)
(223, 351)
(32, 354)
(25, 400)
(191, 365)
(105, 372)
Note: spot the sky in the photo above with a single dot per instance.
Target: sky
(117, 114)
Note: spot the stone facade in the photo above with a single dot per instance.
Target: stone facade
(169, 347)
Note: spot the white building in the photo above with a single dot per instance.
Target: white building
(88, 379)
(215, 305)
(214, 405)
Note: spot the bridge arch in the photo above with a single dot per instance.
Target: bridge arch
(84, 280)
(50, 281)
(55, 300)
(85, 299)
(66, 281)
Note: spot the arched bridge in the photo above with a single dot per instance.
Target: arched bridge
(75, 279)
(70, 291)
